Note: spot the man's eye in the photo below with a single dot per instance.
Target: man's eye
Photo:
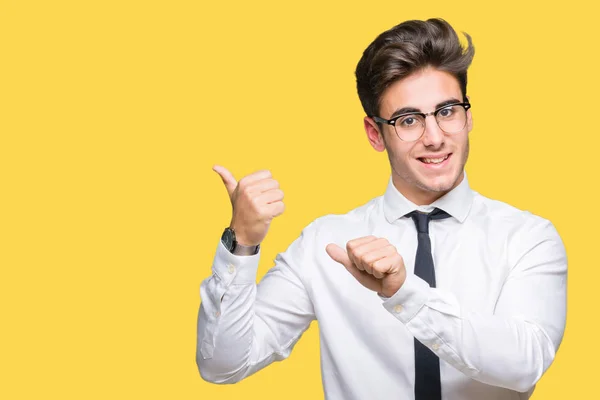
(408, 121)
(446, 112)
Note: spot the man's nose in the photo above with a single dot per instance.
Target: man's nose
(433, 135)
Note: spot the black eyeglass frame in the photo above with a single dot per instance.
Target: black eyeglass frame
(466, 105)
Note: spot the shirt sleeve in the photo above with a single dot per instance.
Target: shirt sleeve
(243, 327)
(513, 347)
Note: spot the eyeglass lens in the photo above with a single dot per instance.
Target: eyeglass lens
(451, 119)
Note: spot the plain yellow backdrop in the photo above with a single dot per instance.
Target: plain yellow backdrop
(112, 114)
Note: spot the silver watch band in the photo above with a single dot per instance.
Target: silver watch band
(241, 250)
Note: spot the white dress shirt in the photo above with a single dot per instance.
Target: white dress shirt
(495, 319)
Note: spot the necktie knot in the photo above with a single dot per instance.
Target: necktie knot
(422, 219)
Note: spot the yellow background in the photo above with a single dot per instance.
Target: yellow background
(112, 114)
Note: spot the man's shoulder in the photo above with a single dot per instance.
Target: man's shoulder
(352, 220)
(501, 215)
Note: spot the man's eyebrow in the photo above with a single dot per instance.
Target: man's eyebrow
(405, 110)
(447, 103)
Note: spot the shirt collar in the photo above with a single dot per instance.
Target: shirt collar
(456, 202)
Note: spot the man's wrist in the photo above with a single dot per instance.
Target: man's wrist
(230, 241)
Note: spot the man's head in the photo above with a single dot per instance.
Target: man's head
(418, 66)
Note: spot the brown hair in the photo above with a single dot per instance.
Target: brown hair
(406, 48)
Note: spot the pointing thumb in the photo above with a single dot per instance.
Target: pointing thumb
(338, 254)
(227, 177)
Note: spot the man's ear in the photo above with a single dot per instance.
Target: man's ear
(469, 118)
(373, 134)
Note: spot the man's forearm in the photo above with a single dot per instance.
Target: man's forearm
(243, 327)
(501, 351)
(225, 323)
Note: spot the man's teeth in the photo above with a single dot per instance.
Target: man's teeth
(434, 160)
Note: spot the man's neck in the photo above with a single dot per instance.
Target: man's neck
(419, 196)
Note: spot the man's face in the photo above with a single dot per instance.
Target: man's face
(415, 172)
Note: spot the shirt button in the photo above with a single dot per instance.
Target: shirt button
(218, 314)
(435, 346)
(231, 268)
(398, 308)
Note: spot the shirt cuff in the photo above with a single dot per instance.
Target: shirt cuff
(233, 269)
(409, 299)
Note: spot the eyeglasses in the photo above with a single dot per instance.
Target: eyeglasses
(411, 126)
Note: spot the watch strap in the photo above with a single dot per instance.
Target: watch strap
(241, 250)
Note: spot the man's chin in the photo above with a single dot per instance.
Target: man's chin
(440, 184)
(435, 188)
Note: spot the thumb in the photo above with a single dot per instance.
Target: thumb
(338, 254)
(227, 177)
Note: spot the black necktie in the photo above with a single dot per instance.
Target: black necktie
(427, 364)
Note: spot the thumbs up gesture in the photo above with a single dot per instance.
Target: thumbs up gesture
(374, 262)
(256, 199)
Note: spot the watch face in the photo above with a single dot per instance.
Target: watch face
(228, 239)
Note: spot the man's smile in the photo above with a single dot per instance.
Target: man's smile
(435, 160)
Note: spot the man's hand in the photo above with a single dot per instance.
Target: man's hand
(374, 262)
(256, 199)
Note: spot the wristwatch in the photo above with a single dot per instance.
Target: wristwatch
(228, 240)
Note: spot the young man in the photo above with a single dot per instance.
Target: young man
(445, 294)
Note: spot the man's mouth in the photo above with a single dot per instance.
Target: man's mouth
(434, 161)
